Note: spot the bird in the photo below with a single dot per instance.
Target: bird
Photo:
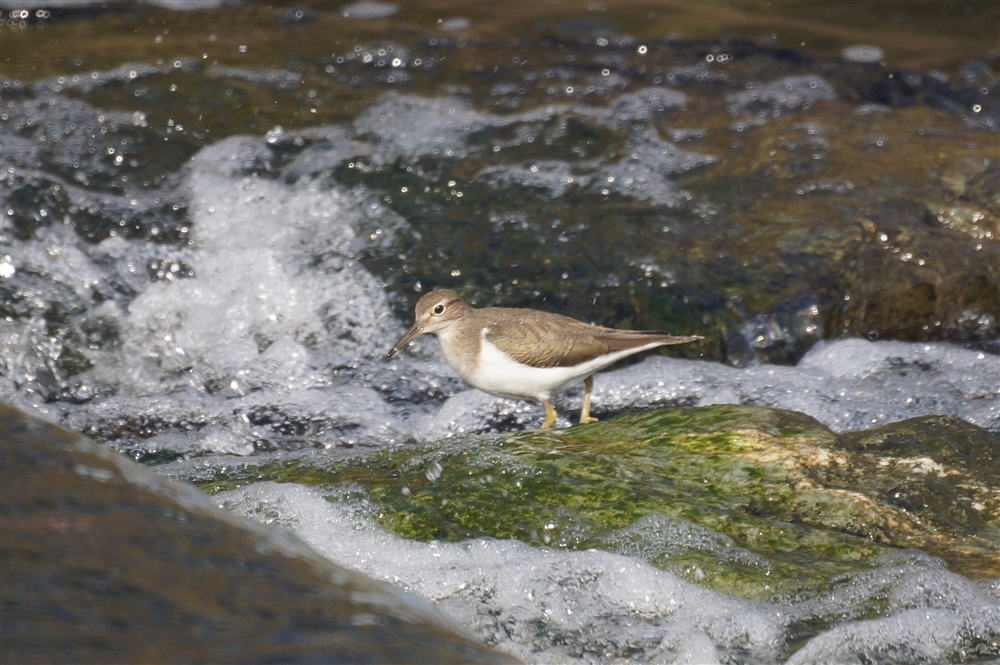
(525, 354)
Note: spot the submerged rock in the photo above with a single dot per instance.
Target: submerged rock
(104, 561)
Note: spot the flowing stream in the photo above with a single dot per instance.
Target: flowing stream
(210, 238)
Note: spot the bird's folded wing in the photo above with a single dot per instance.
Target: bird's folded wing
(626, 339)
(541, 339)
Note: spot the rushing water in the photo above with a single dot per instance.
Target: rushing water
(207, 249)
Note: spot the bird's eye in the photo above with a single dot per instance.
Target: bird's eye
(438, 309)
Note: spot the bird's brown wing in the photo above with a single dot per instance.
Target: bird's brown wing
(626, 339)
(542, 339)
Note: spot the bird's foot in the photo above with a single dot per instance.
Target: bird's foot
(550, 414)
(586, 420)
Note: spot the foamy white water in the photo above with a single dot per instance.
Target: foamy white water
(276, 299)
(549, 606)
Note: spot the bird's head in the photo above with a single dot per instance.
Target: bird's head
(434, 312)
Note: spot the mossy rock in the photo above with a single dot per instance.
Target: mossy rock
(756, 501)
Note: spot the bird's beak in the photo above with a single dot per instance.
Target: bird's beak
(413, 332)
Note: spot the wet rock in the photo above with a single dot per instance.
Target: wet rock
(782, 335)
(984, 189)
(767, 501)
(894, 289)
(936, 469)
(107, 562)
(973, 99)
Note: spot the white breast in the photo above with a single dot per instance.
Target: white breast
(499, 374)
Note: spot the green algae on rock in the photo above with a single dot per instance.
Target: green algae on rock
(756, 501)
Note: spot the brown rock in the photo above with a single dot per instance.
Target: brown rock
(104, 561)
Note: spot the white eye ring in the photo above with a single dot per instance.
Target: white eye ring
(438, 309)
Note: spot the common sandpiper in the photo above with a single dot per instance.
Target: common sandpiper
(525, 353)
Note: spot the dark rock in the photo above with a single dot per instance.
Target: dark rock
(784, 333)
(104, 561)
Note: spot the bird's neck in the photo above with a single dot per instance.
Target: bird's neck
(460, 350)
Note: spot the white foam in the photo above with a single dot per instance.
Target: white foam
(928, 615)
(791, 92)
(443, 126)
(642, 171)
(475, 412)
(447, 127)
(655, 537)
(90, 81)
(276, 298)
(913, 636)
(544, 605)
(540, 605)
(272, 265)
(554, 176)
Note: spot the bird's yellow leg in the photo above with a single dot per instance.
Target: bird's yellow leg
(550, 414)
(585, 417)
